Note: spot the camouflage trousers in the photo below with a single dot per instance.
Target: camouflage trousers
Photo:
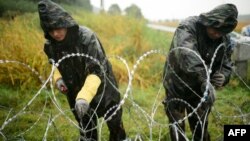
(176, 110)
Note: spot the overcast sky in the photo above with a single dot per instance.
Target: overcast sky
(174, 9)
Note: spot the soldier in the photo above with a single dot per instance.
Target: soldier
(185, 76)
(91, 90)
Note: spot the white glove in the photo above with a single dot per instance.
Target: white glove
(81, 107)
(60, 85)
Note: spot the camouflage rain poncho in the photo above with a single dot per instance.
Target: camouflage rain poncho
(191, 35)
(75, 69)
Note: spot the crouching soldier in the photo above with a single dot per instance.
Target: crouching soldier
(91, 90)
(185, 76)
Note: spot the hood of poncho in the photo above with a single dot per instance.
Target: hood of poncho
(223, 18)
(53, 16)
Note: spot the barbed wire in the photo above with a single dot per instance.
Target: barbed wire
(141, 113)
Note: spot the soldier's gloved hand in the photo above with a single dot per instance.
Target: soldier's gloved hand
(81, 107)
(210, 98)
(217, 79)
(60, 85)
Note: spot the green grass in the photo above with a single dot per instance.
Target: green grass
(30, 117)
(230, 106)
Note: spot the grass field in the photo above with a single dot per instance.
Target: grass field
(143, 114)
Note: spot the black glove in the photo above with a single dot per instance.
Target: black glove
(217, 79)
(210, 98)
(81, 107)
(60, 85)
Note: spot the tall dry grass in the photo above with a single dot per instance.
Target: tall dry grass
(22, 40)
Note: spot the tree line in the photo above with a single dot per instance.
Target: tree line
(15, 7)
(131, 11)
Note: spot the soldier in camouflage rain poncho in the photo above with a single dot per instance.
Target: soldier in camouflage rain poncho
(91, 90)
(185, 76)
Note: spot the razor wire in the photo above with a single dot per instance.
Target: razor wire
(141, 113)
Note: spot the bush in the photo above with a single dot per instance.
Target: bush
(16, 7)
(10, 9)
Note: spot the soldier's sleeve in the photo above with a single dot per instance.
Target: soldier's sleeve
(187, 57)
(89, 88)
(97, 64)
(94, 66)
